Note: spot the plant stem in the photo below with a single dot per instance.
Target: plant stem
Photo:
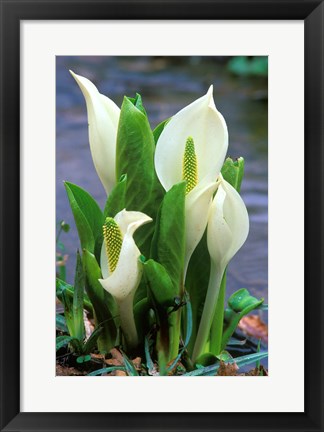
(215, 278)
(174, 321)
(127, 321)
(216, 331)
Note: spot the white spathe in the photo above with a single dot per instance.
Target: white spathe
(123, 282)
(227, 230)
(103, 118)
(206, 125)
(228, 224)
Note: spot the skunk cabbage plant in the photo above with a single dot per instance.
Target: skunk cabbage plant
(192, 147)
(175, 177)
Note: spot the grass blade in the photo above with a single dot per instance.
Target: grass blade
(106, 370)
(240, 361)
(129, 366)
(61, 324)
(149, 361)
(62, 341)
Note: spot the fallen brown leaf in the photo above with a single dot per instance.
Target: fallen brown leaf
(257, 372)
(227, 369)
(253, 326)
(117, 360)
(117, 355)
(68, 371)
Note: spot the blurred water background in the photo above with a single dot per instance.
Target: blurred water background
(167, 84)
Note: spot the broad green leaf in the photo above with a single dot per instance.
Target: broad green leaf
(158, 130)
(77, 307)
(135, 158)
(103, 303)
(134, 155)
(233, 172)
(87, 215)
(116, 201)
(159, 284)
(168, 244)
(239, 304)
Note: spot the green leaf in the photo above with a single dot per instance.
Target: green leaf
(159, 128)
(240, 361)
(91, 342)
(138, 103)
(103, 303)
(117, 198)
(206, 359)
(141, 311)
(168, 244)
(236, 342)
(130, 368)
(233, 172)
(87, 215)
(159, 284)
(77, 307)
(135, 157)
(61, 323)
(239, 304)
(242, 301)
(67, 302)
(106, 370)
(83, 358)
(264, 307)
(62, 341)
(61, 286)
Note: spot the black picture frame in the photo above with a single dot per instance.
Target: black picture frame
(312, 12)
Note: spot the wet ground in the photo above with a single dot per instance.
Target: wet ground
(166, 86)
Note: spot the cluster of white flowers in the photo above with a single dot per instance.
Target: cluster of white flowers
(192, 147)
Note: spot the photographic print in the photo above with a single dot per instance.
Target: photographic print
(162, 216)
